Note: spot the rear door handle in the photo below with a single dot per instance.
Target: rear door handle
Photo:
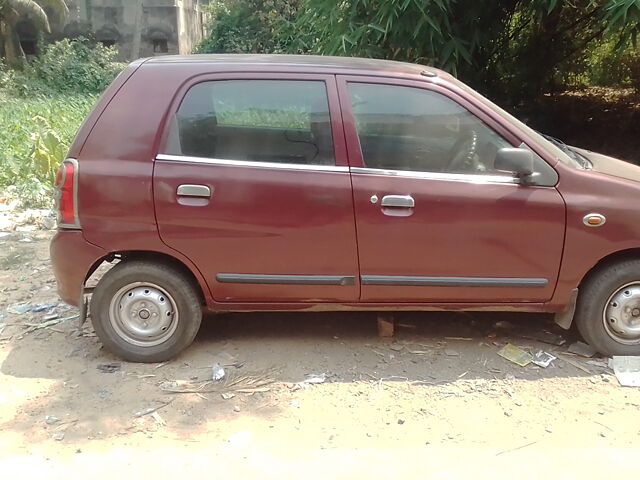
(398, 201)
(193, 191)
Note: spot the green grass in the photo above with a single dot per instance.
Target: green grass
(35, 134)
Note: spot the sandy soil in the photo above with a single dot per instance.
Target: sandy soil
(436, 399)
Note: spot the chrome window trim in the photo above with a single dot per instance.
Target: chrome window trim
(453, 177)
(252, 164)
(404, 280)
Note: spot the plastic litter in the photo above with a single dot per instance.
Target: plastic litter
(515, 355)
(449, 352)
(19, 309)
(41, 308)
(627, 370)
(151, 410)
(314, 378)
(542, 359)
(51, 420)
(217, 372)
(58, 436)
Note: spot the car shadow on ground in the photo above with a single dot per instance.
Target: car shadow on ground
(58, 372)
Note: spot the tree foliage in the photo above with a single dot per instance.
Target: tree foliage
(256, 26)
(514, 48)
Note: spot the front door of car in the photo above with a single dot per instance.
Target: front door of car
(435, 221)
(252, 185)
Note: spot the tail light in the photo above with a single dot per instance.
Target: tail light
(67, 194)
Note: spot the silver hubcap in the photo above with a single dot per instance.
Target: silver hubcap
(143, 314)
(622, 314)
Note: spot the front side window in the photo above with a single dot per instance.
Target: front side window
(406, 128)
(283, 121)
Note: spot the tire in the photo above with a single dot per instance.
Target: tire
(145, 312)
(601, 314)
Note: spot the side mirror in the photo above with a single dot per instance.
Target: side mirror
(515, 160)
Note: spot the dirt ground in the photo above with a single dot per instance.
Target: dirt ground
(435, 400)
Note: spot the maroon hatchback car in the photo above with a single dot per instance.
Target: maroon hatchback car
(255, 182)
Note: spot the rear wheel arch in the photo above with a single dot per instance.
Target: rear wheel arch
(154, 257)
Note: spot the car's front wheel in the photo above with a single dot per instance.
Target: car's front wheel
(145, 312)
(608, 310)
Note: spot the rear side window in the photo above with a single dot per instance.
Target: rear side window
(283, 121)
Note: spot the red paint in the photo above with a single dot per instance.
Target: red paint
(278, 221)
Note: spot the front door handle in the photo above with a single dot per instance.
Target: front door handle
(193, 191)
(398, 201)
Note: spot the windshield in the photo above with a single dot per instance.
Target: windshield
(562, 154)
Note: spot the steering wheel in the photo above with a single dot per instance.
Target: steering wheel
(463, 152)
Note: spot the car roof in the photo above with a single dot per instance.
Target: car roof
(296, 62)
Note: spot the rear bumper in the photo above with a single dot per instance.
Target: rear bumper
(72, 257)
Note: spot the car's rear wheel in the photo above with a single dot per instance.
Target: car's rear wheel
(145, 312)
(608, 310)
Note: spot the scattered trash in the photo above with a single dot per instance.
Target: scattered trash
(2, 327)
(58, 436)
(419, 352)
(544, 337)
(401, 421)
(227, 395)
(450, 352)
(395, 347)
(314, 378)
(104, 393)
(51, 420)
(582, 349)
(48, 318)
(50, 323)
(160, 365)
(515, 355)
(41, 308)
(26, 240)
(217, 372)
(4, 234)
(598, 363)
(149, 410)
(466, 339)
(236, 408)
(247, 383)
(542, 358)
(159, 420)
(109, 367)
(19, 309)
(572, 362)
(627, 370)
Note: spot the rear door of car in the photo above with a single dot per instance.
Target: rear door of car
(252, 184)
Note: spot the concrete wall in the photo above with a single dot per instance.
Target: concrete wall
(140, 28)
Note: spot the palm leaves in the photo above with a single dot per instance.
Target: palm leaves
(42, 12)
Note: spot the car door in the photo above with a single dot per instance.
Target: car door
(252, 185)
(435, 221)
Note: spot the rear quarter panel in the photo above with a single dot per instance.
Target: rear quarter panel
(116, 161)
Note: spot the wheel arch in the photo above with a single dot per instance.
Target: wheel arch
(615, 257)
(158, 257)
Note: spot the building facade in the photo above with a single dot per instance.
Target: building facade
(139, 28)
